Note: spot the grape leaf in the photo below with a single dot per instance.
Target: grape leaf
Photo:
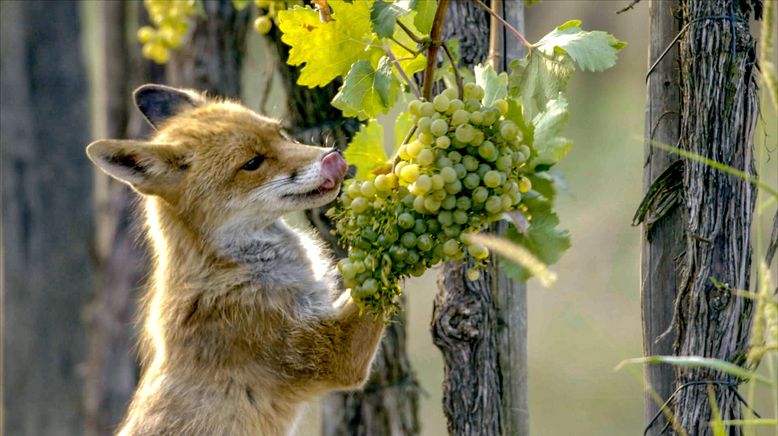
(384, 15)
(495, 85)
(367, 92)
(546, 70)
(366, 151)
(327, 49)
(548, 145)
(543, 239)
(402, 125)
(425, 14)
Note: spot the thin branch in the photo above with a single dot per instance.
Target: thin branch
(432, 52)
(457, 77)
(411, 85)
(417, 39)
(507, 25)
(324, 10)
(403, 46)
(628, 7)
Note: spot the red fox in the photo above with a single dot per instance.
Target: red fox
(243, 321)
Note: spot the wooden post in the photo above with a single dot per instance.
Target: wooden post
(662, 241)
(480, 326)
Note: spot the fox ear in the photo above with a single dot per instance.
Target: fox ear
(152, 169)
(157, 103)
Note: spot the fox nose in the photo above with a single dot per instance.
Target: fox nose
(333, 168)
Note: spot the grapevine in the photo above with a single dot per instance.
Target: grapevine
(479, 151)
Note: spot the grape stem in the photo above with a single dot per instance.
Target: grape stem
(411, 85)
(457, 77)
(324, 10)
(409, 32)
(507, 25)
(432, 52)
(408, 49)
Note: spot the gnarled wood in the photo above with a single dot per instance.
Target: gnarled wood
(719, 112)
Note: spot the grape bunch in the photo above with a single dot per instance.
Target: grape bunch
(172, 21)
(464, 167)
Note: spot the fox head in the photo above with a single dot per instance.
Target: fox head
(218, 166)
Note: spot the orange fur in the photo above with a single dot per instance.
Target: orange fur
(235, 337)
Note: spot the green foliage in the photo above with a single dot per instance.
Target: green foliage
(548, 125)
(469, 160)
(367, 92)
(495, 85)
(546, 70)
(542, 238)
(327, 49)
(365, 150)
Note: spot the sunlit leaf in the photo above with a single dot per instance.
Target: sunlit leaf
(366, 150)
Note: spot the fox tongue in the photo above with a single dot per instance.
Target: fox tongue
(333, 168)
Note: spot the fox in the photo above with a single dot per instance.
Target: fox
(244, 319)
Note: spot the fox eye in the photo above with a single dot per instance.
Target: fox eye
(253, 164)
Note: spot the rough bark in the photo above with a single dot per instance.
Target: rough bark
(46, 216)
(480, 326)
(212, 59)
(389, 403)
(111, 368)
(663, 229)
(719, 111)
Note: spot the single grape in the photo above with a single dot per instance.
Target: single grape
(263, 24)
(410, 173)
(441, 103)
(405, 220)
(425, 157)
(439, 127)
(426, 109)
(492, 179)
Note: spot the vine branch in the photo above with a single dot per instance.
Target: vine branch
(409, 32)
(507, 25)
(432, 52)
(457, 77)
(411, 85)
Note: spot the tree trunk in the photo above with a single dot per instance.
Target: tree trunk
(481, 326)
(388, 404)
(212, 59)
(663, 229)
(111, 368)
(719, 112)
(46, 216)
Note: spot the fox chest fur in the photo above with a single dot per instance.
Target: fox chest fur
(244, 320)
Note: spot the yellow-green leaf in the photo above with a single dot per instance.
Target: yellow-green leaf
(366, 150)
(366, 92)
(327, 49)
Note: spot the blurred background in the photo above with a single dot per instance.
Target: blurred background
(579, 329)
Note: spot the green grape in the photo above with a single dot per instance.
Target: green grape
(460, 216)
(451, 248)
(424, 124)
(470, 163)
(439, 127)
(478, 251)
(492, 179)
(410, 173)
(408, 240)
(146, 34)
(472, 105)
(448, 203)
(359, 205)
(476, 118)
(508, 130)
(460, 117)
(427, 138)
(493, 204)
(418, 204)
(454, 187)
(413, 107)
(419, 226)
(448, 174)
(525, 185)
(454, 105)
(263, 24)
(504, 163)
(451, 93)
(431, 204)
(368, 189)
(471, 181)
(455, 157)
(426, 157)
(382, 183)
(445, 218)
(426, 109)
(443, 142)
(473, 274)
(424, 242)
(463, 204)
(488, 151)
(437, 182)
(440, 103)
(480, 194)
(501, 106)
(405, 220)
